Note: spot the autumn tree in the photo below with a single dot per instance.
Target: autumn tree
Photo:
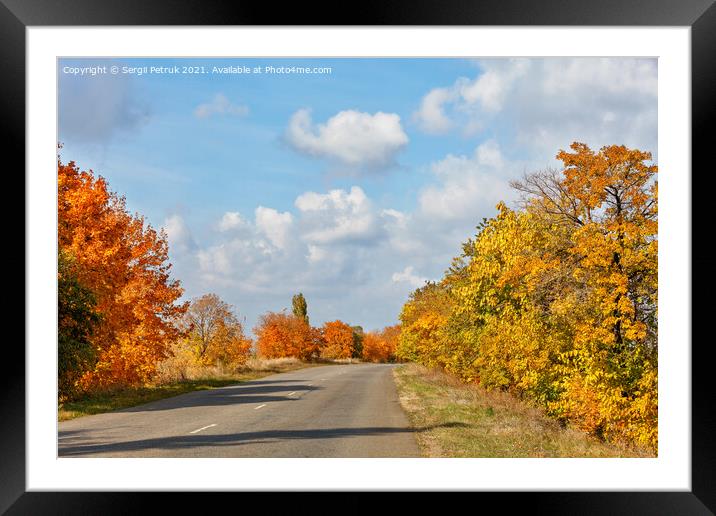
(300, 307)
(379, 346)
(372, 347)
(613, 195)
(390, 335)
(281, 335)
(214, 332)
(123, 261)
(339, 340)
(609, 197)
(557, 301)
(423, 318)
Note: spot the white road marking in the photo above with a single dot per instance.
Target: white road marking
(260, 406)
(202, 428)
(294, 392)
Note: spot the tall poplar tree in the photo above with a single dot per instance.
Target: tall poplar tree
(300, 307)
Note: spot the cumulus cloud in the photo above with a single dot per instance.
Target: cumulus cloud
(490, 89)
(431, 116)
(408, 275)
(487, 91)
(215, 260)
(220, 105)
(279, 253)
(395, 217)
(178, 234)
(274, 225)
(337, 216)
(232, 220)
(468, 187)
(352, 138)
(545, 104)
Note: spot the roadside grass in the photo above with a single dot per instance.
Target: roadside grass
(212, 378)
(453, 419)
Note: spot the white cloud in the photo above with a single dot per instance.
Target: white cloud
(350, 137)
(608, 76)
(395, 217)
(469, 186)
(215, 260)
(274, 225)
(337, 216)
(232, 220)
(220, 105)
(487, 91)
(408, 275)
(545, 104)
(178, 234)
(431, 116)
(489, 154)
(490, 89)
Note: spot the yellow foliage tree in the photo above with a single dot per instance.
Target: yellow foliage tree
(214, 333)
(557, 302)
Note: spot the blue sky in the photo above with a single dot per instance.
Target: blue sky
(352, 186)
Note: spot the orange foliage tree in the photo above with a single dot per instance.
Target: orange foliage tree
(123, 261)
(338, 339)
(380, 346)
(280, 335)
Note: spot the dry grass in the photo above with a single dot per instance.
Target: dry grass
(175, 381)
(458, 420)
(341, 360)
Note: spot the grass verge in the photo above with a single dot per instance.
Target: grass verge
(99, 402)
(453, 419)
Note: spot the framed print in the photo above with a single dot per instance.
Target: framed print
(420, 245)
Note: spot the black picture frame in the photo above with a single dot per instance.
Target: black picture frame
(700, 15)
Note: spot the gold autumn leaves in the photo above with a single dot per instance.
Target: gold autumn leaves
(557, 301)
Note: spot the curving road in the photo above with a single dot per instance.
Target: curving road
(329, 411)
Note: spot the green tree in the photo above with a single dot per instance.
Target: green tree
(358, 336)
(76, 317)
(300, 307)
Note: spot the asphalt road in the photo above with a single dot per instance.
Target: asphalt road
(328, 411)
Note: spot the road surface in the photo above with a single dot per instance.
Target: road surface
(329, 411)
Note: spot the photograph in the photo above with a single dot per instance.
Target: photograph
(352, 257)
(412, 247)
